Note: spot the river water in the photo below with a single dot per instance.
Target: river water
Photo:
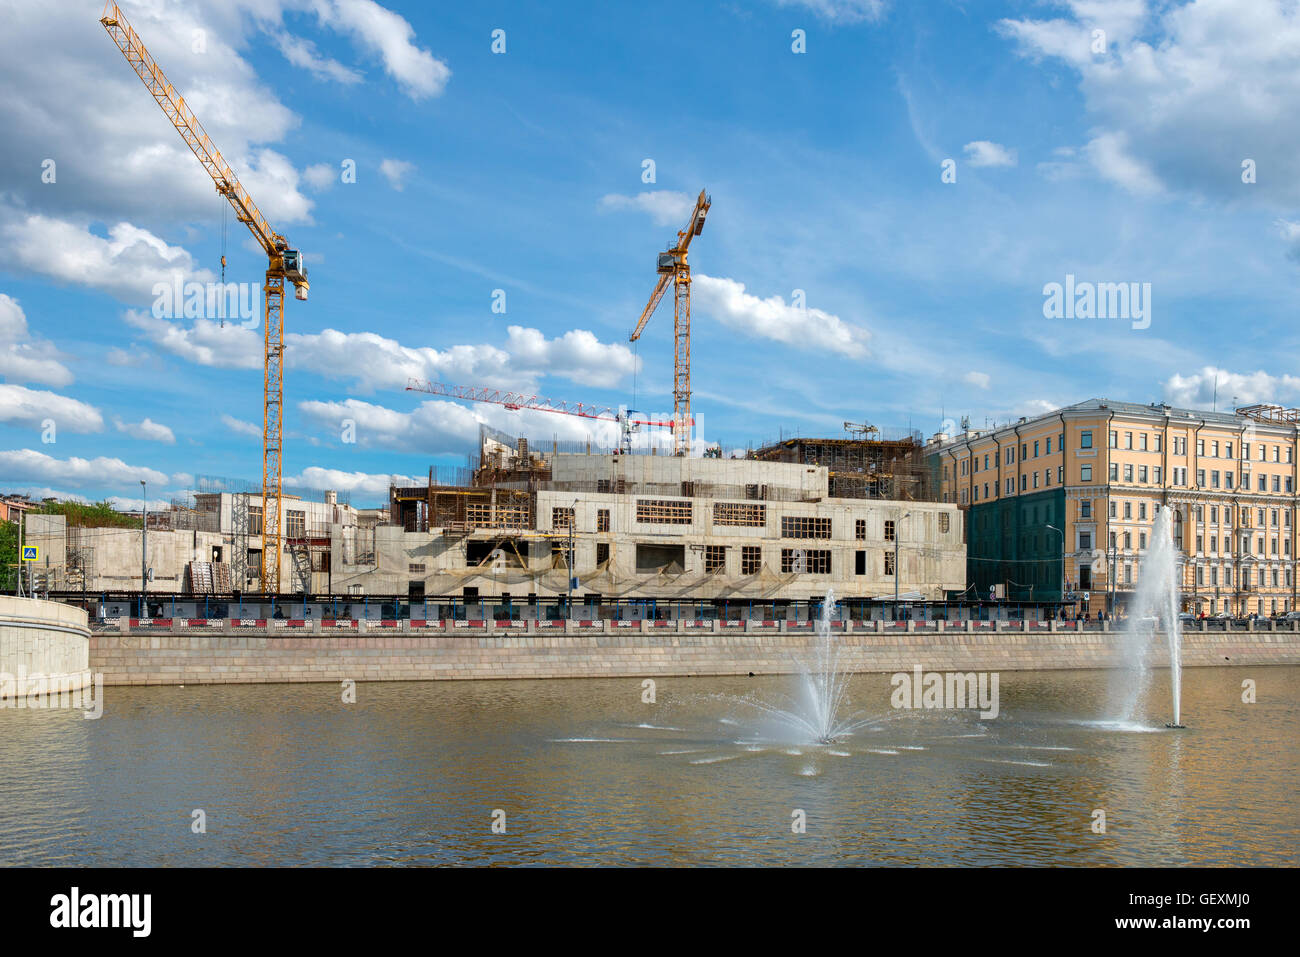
(586, 772)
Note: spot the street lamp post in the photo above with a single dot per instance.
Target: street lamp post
(568, 570)
(1062, 534)
(144, 546)
(898, 558)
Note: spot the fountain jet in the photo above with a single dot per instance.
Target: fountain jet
(1156, 607)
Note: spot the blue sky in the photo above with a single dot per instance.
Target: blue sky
(523, 171)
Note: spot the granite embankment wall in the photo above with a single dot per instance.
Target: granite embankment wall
(228, 652)
(44, 638)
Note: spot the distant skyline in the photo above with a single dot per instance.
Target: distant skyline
(896, 188)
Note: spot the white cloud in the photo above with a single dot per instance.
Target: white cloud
(383, 32)
(1183, 93)
(374, 362)
(437, 427)
(366, 483)
(1112, 160)
(29, 465)
(241, 427)
(22, 358)
(320, 176)
(986, 153)
(841, 11)
(1211, 386)
(146, 430)
(302, 53)
(126, 264)
(1290, 233)
(130, 357)
(665, 207)
(772, 318)
(205, 343)
(117, 156)
(980, 380)
(396, 171)
(31, 408)
(577, 355)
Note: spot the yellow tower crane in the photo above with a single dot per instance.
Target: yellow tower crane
(672, 267)
(282, 263)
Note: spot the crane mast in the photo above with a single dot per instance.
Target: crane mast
(673, 267)
(283, 263)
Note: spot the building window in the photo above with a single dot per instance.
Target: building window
(715, 558)
(662, 512)
(1085, 473)
(1114, 439)
(415, 568)
(561, 519)
(602, 553)
(295, 523)
(255, 520)
(805, 526)
(889, 529)
(739, 513)
(889, 563)
(799, 561)
(943, 523)
(751, 559)
(602, 520)
(860, 529)
(1085, 508)
(1085, 439)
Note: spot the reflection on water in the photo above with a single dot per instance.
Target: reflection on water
(587, 773)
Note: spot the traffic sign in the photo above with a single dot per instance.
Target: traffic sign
(31, 553)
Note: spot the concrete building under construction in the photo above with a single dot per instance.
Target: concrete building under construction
(865, 465)
(529, 527)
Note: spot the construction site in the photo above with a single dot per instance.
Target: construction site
(651, 515)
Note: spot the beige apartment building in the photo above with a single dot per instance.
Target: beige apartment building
(1062, 505)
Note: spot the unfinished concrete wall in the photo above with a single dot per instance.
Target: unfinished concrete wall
(931, 550)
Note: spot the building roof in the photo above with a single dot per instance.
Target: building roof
(1157, 410)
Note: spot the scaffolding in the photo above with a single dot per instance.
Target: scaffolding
(1272, 414)
(883, 468)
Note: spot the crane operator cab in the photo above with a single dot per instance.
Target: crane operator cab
(296, 272)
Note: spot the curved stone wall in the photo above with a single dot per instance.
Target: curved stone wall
(45, 638)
